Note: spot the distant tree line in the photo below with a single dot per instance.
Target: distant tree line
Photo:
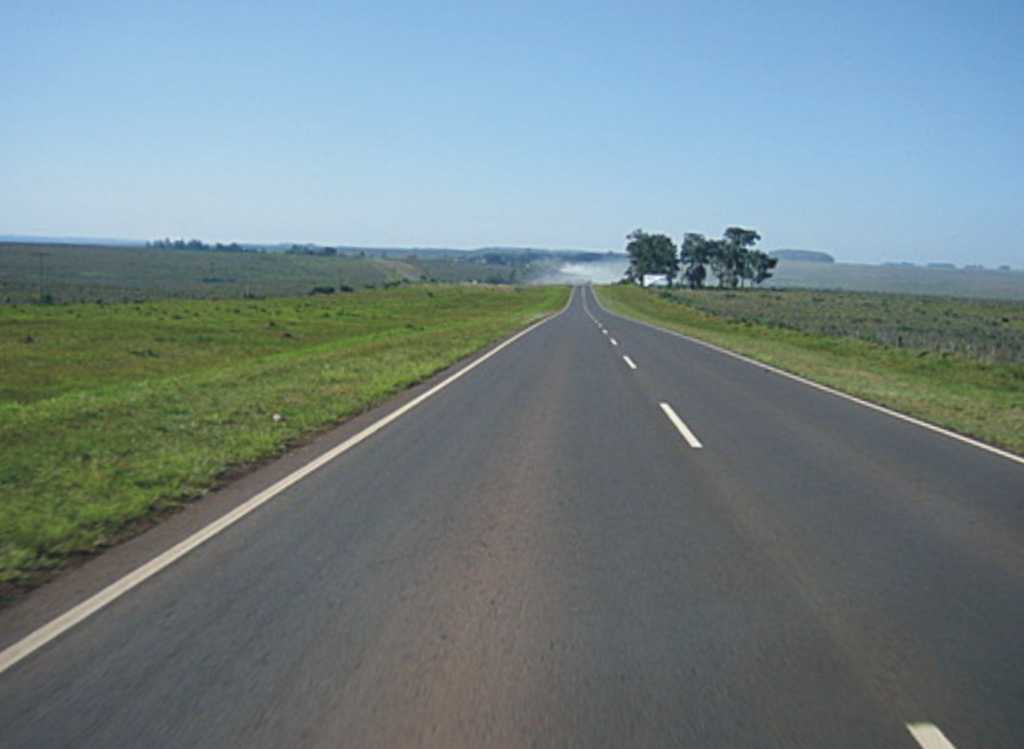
(524, 257)
(732, 259)
(311, 249)
(197, 245)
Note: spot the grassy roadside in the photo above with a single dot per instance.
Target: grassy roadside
(983, 400)
(111, 413)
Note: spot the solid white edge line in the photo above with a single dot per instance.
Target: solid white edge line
(826, 389)
(629, 362)
(678, 423)
(929, 736)
(56, 627)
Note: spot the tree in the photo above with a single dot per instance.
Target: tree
(739, 237)
(725, 262)
(695, 276)
(761, 264)
(734, 256)
(695, 253)
(651, 253)
(666, 257)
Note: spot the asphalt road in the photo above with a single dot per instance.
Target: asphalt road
(537, 556)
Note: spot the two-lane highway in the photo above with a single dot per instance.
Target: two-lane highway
(603, 535)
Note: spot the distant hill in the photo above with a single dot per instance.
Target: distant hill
(98, 241)
(804, 256)
(342, 249)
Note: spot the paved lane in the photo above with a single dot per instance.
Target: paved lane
(909, 544)
(537, 556)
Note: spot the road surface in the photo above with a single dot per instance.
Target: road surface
(604, 535)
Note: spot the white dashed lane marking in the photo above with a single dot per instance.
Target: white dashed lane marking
(684, 430)
(929, 736)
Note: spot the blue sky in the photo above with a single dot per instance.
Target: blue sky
(874, 130)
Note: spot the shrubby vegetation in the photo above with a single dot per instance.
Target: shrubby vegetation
(987, 331)
(312, 249)
(61, 274)
(178, 268)
(197, 246)
(732, 259)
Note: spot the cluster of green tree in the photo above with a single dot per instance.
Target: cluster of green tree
(195, 244)
(732, 259)
(342, 289)
(311, 249)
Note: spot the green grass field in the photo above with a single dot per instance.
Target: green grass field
(86, 273)
(959, 282)
(968, 394)
(985, 330)
(111, 412)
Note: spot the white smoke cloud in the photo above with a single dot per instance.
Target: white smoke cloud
(601, 271)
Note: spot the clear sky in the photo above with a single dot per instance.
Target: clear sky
(876, 130)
